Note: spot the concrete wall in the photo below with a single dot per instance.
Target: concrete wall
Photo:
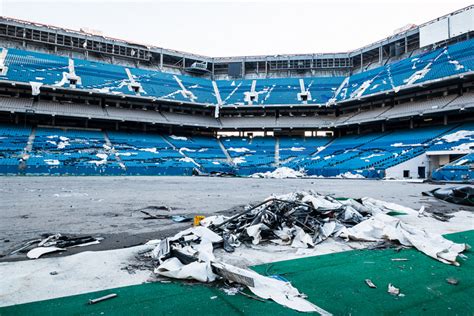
(412, 165)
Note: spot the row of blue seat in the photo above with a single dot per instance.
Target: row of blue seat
(29, 66)
(69, 151)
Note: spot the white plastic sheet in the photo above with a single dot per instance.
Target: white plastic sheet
(384, 227)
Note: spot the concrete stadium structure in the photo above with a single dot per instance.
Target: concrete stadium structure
(82, 104)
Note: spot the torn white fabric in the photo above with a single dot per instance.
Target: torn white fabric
(387, 206)
(254, 232)
(198, 232)
(326, 230)
(173, 268)
(213, 220)
(35, 253)
(279, 291)
(302, 239)
(319, 202)
(383, 227)
(35, 87)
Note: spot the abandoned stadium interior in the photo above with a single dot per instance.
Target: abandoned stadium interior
(81, 104)
(331, 183)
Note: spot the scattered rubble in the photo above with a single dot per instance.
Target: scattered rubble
(370, 283)
(393, 290)
(296, 220)
(174, 218)
(54, 243)
(280, 173)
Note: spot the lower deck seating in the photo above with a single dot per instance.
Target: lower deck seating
(96, 152)
(205, 151)
(13, 140)
(460, 138)
(69, 151)
(251, 155)
(369, 155)
(147, 154)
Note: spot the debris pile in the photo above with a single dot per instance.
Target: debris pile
(280, 173)
(300, 220)
(53, 243)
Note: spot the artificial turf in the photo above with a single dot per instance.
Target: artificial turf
(335, 282)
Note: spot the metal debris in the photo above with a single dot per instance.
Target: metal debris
(299, 220)
(53, 243)
(370, 283)
(174, 218)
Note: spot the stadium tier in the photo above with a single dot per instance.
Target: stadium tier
(40, 69)
(459, 170)
(45, 150)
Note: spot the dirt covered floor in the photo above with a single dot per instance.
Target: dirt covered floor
(110, 207)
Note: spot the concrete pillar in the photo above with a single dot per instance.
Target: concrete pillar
(116, 126)
(383, 127)
(445, 119)
(411, 123)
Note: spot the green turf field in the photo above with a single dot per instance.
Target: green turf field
(334, 282)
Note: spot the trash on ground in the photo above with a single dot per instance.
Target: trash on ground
(103, 298)
(452, 281)
(180, 218)
(156, 208)
(54, 243)
(393, 290)
(189, 255)
(463, 195)
(297, 220)
(174, 218)
(39, 251)
(370, 283)
(198, 219)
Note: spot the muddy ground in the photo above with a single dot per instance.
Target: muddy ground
(109, 206)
